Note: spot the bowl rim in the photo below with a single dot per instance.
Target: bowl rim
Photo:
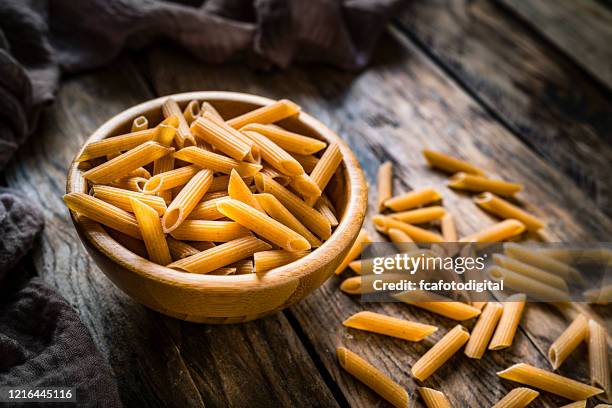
(341, 238)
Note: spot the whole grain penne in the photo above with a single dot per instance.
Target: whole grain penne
(275, 155)
(116, 144)
(185, 201)
(599, 360)
(530, 271)
(567, 342)
(470, 182)
(420, 215)
(207, 107)
(534, 257)
(517, 398)
(215, 231)
(221, 255)
(160, 166)
(307, 215)
(180, 249)
(383, 224)
(359, 285)
(325, 207)
(307, 161)
(503, 209)
(267, 260)
(224, 138)
(191, 111)
(306, 187)
(440, 353)
(434, 398)
(139, 123)
(104, 213)
(130, 184)
(402, 240)
(183, 136)
(483, 330)
(536, 289)
(277, 210)
(170, 179)
(384, 184)
(413, 199)
(289, 141)
(121, 198)
(206, 210)
(498, 232)
(166, 131)
(140, 172)
(126, 162)
(263, 225)
(274, 112)
(373, 378)
(216, 162)
(545, 380)
(448, 229)
(238, 190)
(450, 164)
(509, 322)
(438, 304)
(389, 326)
(355, 266)
(151, 231)
(358, 246)
(325, 169)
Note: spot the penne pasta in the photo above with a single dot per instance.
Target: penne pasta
(191, 112)
(450, 164)
(508, 323)
(306, 187)
(534, 257)
(238, 190)
(139, 123)
(185, 201)
(282, 179)
(373, 378)
(530, 271)
(275, 155)
(355, 266)
(434, 398)
(384, 184)
(183, 136)
(599, 360)
(438, 304)
(116, 144)
(215, 231)
(545, 380)
(537, 290)
(325, 207)
(440, 353)
(352, 285)
(104, 213)
(121, 198)
(360, 242)
(170, 179)
(126, 162)
(268, 260)
(325, 169)
(447, 226)
(577, 404)
(420, 215)
(579, 255)
(221, 255)
(151, 231)
(479, 305)
(413, 199)
(206, 210)
(599, 296)
(498, 232)
(166, 131)
(216, 162)
(223, 138)
(403, 240)
(265, 115)
(483, 330)
(383, 224)
(517, 398)
(503, 209)
(207, 107)
(160, 166)
(479, 184)
(389, 326)
(288, 141)
(179, 249)
(140, 172)
(244, 267)
(567, 342)
(308, 162)
(131, 184)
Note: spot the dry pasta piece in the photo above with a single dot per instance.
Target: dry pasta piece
(325, 207)
(289, 141)
(306, 187)
(215, 231)
(567, 342)
(579, 255)
(499, 232)
(121, 198)
(268, 260)
(517, 398)
(355, 266)
(179, 249)
(186, 200)
(104, 213)
(577, 404)
(276, 210)
(413, 199)
(450, 164)
(530, 271)
(139, 123)
(191, 112)
(358, 285)
(244, 267)
(483, 330)
(440, 353)
(389, 326)
(140, 172)
(160, 166)
(216, 162)
(221, 255)
(183, 136)
(503, 209)
(307, 161)
(238, 190)
(447, 226)
(351, 285)
(434, 398)
(310, 217)
(275, 155)
(116, 144)
(402, 240)
(325, 169)
(166, 131)
(266, 114)
(263, 225)
(510, 319)
(170, 179)
(224, 138)
(152, 233)
(536, 258)
(384, 184)
(131, 183)
(438, 304)
(479, 305)
(383, 224)
(128, 161)
(470, 182)
(373, 378)
(206, 210)
(282, 179)
(360, 242)
(207, 107)
(420, 215)
(545, 380)
(599, 360)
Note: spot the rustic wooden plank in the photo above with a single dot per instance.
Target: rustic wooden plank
(582, 29)
(158, 361)
(553, 106)
(391, 111)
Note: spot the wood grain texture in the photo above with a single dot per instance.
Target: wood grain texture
(582, 29)
(158, 361)
(390, 112)
(545, 99)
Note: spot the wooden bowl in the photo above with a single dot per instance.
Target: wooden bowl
(225, 299)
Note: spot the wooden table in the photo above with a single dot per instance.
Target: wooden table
(495, 82)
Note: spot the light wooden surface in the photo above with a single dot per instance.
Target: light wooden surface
(418, 92)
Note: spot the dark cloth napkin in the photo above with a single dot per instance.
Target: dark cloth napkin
(42, 341)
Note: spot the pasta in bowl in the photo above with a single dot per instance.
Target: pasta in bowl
(216, 207)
